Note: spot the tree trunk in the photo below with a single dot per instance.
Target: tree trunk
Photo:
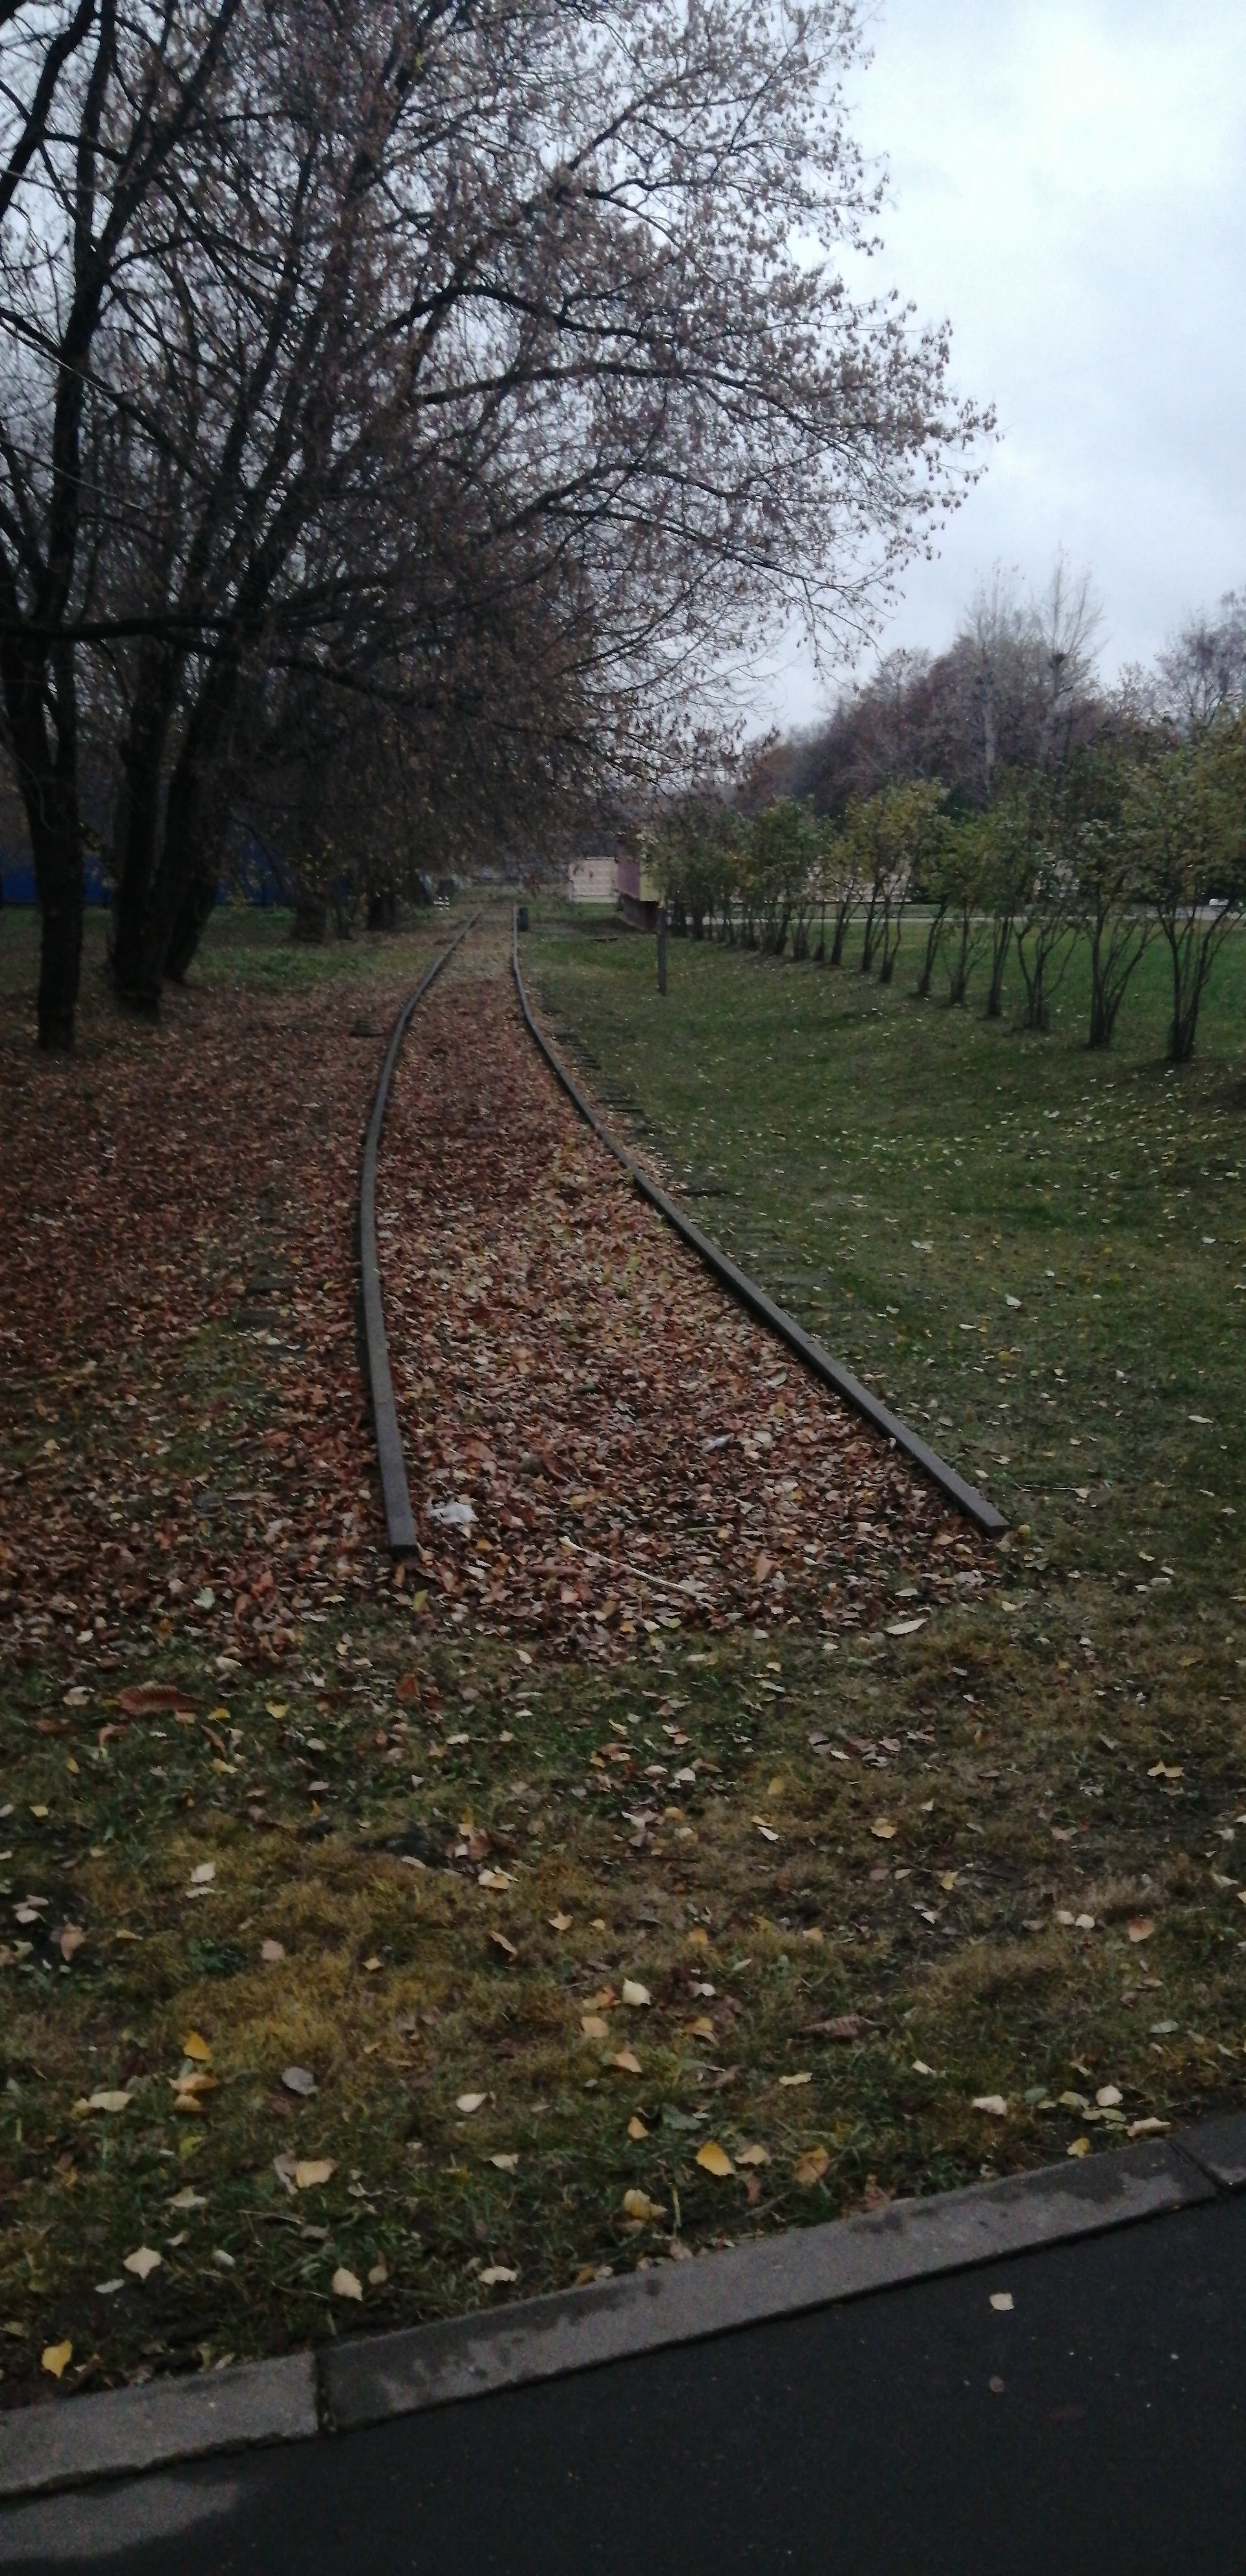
(48, 779)
(193, 915)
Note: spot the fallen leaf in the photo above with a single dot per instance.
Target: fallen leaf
(766, 1831)
(56, 2357)
(152, 1699)
(1080, 2147)
(626, 2061)
(992, 2103)
(298, 2079)
(905, 1627)
(753, 2156)
(559, 1922)
(196, 2046)
(203, 1873)
(143, 2261)
(505, 2163)
(1166, 1771)
(883, 1829)
(714, 2159)
(108, 2101)
(271, 1952)
(810, 2167)
(636, 2127)
(69, 1940)
(1109, 2097)
(805, 2078)
(637, 2204)
(702, 2028)
(594, 2027)
(1001, 2301)
(310, 2171)
(494, 1878)
(379, 2273)
(1150, 2128)
(469, 2102)
(501, 1943)
(635, 1994)
(844, 2026)
(371, 1965)
(494, 2273)
(346, 2285)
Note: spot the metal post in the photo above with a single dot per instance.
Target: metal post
(661, 948)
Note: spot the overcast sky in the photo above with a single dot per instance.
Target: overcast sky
(1069, 186)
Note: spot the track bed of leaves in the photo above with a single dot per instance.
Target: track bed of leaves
(372, 1950)
(597, 1440)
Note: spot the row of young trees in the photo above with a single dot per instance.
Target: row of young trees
(404, 404)
(1131, 836)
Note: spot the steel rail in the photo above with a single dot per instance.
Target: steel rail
(819, 1362)
(395, 1493)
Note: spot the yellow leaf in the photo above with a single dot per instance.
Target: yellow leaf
(805, 2078)
(753, 2156)
(638, 2205)
(274, 1708)
(594, 2027)
(809, 2168)
(883, 1829)
(346, 2285)
(1080, 2147)
(107, 2102)
(948, 1879)
(698, 1938)
(313, 2170)
(702, 2028)
(766, 1831)
(635, 1994)
(559, 1922)
(626, 2061)
(142, 2261)
(195, 2045)
(714, 2159)
(636, 2128)
(469, 2102)
(992, 2103)
(506, 1947)
(1139, 1928)
(504, 2163)
(56, 2358)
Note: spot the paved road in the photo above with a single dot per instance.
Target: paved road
(1096, 2429)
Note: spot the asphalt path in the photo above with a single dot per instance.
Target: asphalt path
(1097, 2427)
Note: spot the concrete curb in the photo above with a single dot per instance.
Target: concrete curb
(976, 1506)
(69, 2442)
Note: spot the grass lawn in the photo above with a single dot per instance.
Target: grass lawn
(832, 2000)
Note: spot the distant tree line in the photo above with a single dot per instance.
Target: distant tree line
(1021, 807)
(406, 407)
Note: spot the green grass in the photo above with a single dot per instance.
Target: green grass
(897, 1173)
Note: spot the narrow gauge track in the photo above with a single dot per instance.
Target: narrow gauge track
(819, 1362)
(483, 1152)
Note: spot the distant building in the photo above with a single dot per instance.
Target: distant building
(639, 893)
(592, 880)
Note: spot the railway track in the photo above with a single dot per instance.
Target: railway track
(894, 1436)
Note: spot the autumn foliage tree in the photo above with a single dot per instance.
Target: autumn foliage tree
(273, 274)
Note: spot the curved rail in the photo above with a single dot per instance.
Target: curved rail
(395, 1493)
(832, 1372)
